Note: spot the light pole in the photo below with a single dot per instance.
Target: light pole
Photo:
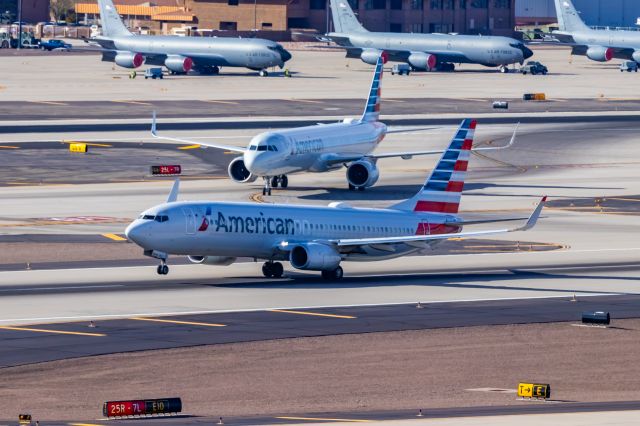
(255, 15)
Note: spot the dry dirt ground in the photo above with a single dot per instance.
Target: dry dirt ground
(415, 369)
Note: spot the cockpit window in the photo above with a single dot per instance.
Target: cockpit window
(253, 147)
(147, 217)
(262, 147)
(162, 218)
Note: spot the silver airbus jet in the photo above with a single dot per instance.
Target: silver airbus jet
(597, 45)
(181, 54)
(423, 51)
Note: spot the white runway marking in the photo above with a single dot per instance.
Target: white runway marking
(79, 287)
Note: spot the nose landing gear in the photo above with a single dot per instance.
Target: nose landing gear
(273, 182)
(333, 275)
(272, 269)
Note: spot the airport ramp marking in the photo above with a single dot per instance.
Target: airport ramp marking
(394, 100)
(306, 101)
(9, 147)
(103, 145)
(114, 237)
(189, 147)
(316, 314)
(203, 324)
(134, 103)
(83, 424)
(220, 102)
(43, 330)
(324, 419)
(49, 103)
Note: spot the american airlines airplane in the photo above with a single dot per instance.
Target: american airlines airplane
(181, 54)
(423, 51)
(315, 238)
(597, 45)
(318, 148)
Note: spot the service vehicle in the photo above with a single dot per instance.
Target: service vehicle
(533, 68)
(153, 73)
(54, 44)
(401, 69)
(629, 66)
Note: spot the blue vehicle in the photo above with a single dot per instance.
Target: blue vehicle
(54, 44)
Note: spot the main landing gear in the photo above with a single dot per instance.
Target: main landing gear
(504, 69)
(354, 188)
(333, 275)
(264, 73)
(272, 269)
(163, 269)
(273, 182)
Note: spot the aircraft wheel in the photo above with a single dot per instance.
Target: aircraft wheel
(274, 181)
(333, 275)
(277, 269)
(263, 73)
(267, 270)
(163, 270)
(284, 181)
(215, 70)
(351, 187)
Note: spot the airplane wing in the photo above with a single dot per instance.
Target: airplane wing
(350, 242)
(231, 148)
(346, 158)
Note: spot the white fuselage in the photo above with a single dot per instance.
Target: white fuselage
(267, 231)
(311, 148)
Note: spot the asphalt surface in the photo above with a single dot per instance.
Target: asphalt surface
(28, 344)
(527, 408)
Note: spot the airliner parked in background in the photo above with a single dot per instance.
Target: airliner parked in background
(318, 148)
(311, 237)
(423, 51)
(181, 54)
(597, 45)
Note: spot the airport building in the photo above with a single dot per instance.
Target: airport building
(420, 16)
(602, 13)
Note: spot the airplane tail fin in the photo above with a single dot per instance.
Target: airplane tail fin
(112, 25)
(442, 192)
(344, 20)
(568, 18)
(372, 108)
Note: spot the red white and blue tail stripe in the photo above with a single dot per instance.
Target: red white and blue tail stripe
(372, 109)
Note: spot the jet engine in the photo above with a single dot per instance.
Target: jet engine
(362, 174)
(422, 61)
(370, 56)
(600, 53)
(636, 56)
(314, 257)
(177, 63)
(239, 172)
(212, 260)
(129, 59)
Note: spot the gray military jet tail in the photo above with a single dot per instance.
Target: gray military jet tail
(181, 54)
(422, 51)
(597, 45)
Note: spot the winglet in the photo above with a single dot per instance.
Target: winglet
(509, 145)
(173, 195)
(153, 125)
(533, 219)
(513, 137)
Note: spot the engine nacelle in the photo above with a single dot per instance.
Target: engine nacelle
(177, 63)
(212, 260)
(422, 61)
(600, 53)
(370, 56)
(129, 59)
(362, 174)
(314, 257)
(238, 172)
(636, 56)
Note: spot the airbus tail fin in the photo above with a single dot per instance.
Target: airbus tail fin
(372, 108)
(568, 18)
(112, 25)
(441, 193)
(344, 20)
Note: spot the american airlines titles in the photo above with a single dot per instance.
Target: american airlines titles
(254, 224)
(308, 146)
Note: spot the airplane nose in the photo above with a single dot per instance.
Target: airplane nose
(285, 55)
(134, 233)
(526, 52)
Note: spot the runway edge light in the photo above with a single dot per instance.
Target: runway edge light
(534, 390)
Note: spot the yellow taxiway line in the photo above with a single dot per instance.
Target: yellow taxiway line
(307, 101)
(189, 147)
(49, 103)
(114, 237)
(133, 102)
(42, 330)
(286, 311)
(323, 419)
(204, 324)
(9, 147)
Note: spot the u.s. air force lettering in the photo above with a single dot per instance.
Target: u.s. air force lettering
(255, 224)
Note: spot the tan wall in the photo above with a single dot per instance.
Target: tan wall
(211, 13)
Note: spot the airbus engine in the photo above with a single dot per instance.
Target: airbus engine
(362, 174)
(177, 63)
(129, 59)
(600, 53)
(422, 61)
(370, 56)
(636, 56)
(239, 172)
(212, 260)
(314, 257)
